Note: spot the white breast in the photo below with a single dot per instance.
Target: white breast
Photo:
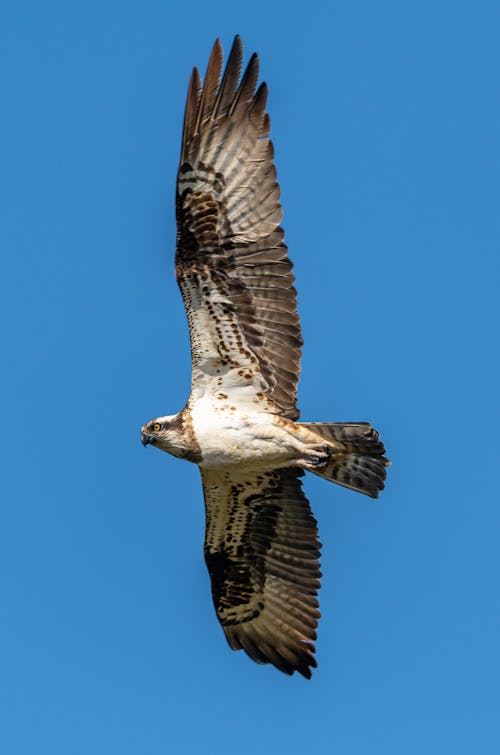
(229, 436)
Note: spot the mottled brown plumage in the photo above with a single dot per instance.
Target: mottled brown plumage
(228, 213)
(262, 553)
(239, 425)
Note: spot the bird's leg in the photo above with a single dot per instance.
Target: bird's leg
(308, 450)
(316, 456)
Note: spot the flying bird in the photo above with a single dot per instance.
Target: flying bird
(240, 424)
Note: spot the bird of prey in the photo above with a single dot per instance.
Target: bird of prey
(240, 422)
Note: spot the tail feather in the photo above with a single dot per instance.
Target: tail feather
(361, 465)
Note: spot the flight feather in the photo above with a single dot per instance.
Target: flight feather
(231, 259)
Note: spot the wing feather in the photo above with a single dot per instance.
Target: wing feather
(229, 83)
(192, 103)
(262, 554)
(231, 259)
(210, 85)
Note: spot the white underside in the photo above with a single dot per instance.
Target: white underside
(229, 436)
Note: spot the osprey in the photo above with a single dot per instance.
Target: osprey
(240, 422)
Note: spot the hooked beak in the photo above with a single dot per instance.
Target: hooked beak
(147, 439)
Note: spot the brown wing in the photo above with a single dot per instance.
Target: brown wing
(231, 260)
(262, 552)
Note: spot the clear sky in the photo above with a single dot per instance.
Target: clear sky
(386, 122)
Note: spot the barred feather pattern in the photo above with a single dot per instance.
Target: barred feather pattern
(361, 465)
(262, 554)
(231, 256)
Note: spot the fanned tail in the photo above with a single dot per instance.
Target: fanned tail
(361, 465)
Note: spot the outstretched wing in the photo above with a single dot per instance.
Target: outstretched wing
(262, 552)
(231, 261)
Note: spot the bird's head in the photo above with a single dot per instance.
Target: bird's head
(163, 432)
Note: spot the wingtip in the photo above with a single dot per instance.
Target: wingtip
(195, 79)
(217, 47)
(237, 43)
(254, 59)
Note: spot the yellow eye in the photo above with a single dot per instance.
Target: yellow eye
(156, 427)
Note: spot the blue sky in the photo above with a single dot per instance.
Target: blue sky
(386, 122)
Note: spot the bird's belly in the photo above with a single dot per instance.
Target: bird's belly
(249, 440)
